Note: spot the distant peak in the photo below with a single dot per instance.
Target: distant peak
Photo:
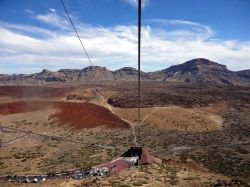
(92, 68)
(45, 71)
(127, 69)
(202, 61)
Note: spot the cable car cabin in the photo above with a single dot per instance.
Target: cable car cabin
(132, 155)
(132, 152)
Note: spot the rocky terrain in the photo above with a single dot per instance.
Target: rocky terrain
(198, 133)
(194, 71)
(199, 71)
(245, 74)
(194, 121)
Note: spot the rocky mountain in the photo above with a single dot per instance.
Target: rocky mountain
(245, 74)
(128, 73)
(91, 73)
(198, 70)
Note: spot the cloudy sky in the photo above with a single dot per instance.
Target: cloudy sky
(36, 34)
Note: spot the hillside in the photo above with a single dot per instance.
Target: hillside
(198, 70)
(245, 74)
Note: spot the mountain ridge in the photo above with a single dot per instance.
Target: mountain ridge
(199, 70)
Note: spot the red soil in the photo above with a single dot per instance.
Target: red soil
(22, 107)
(77, 115)
(33, 91)
(87, 115)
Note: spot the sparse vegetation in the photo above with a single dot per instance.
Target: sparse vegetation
(34, 154)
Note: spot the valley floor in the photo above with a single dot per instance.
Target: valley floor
(199, 135)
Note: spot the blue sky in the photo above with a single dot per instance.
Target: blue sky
(36, 34)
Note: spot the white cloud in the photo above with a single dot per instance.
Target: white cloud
(192, 29)
(52, 10)
(134, 3)
(27, 29)
(29, 11)
(54, 19)
(115, 47)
